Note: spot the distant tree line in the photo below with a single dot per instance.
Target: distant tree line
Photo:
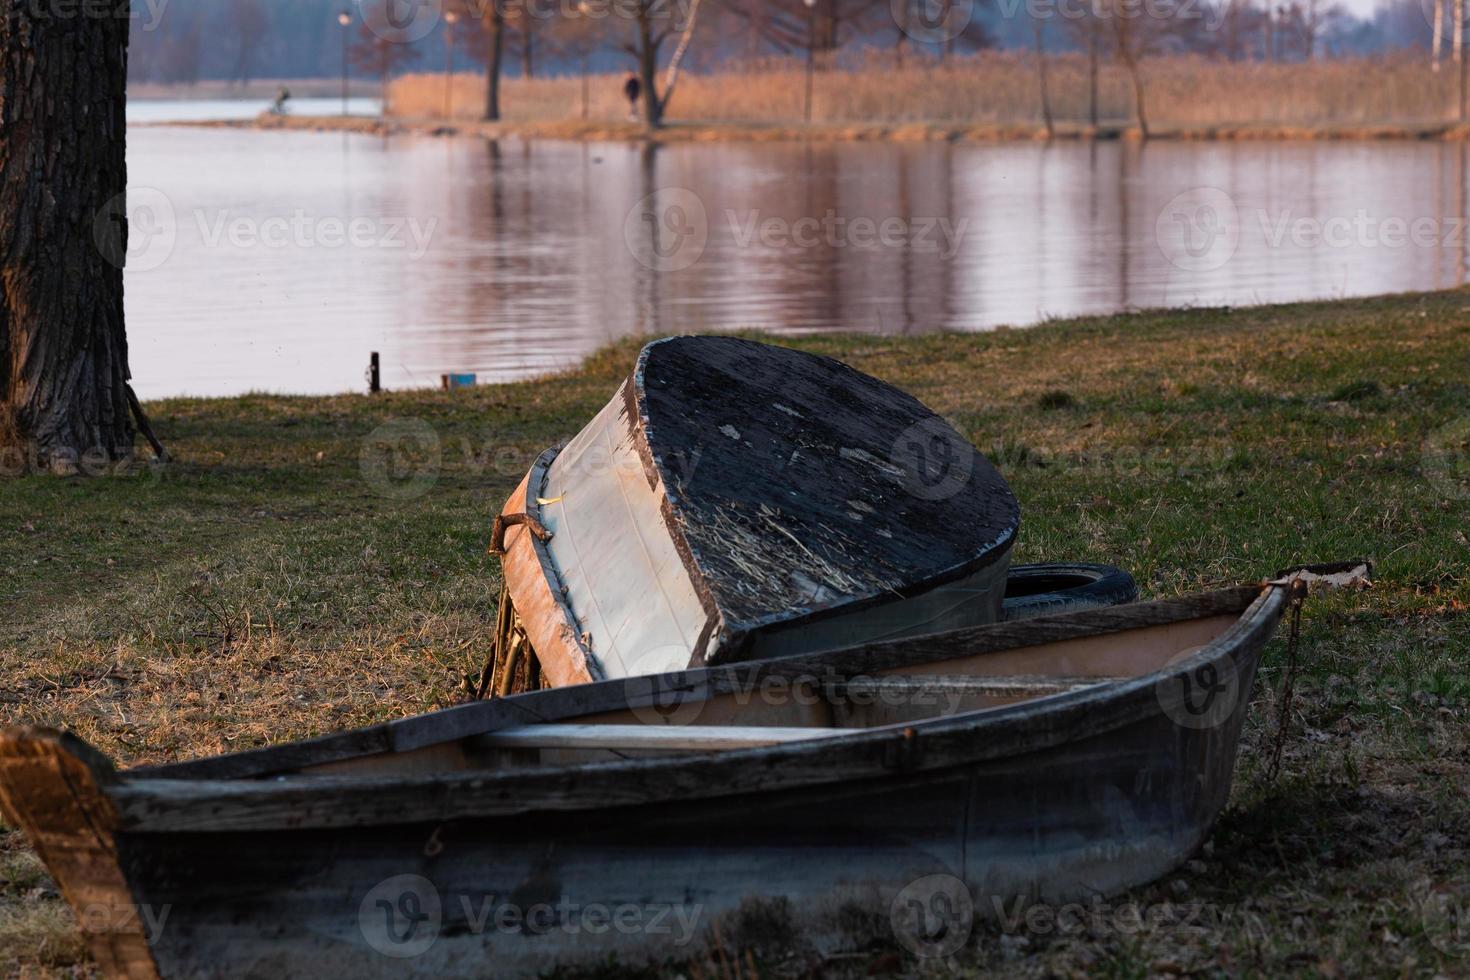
(240, 40)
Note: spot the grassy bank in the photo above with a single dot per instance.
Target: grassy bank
(991, 91)
(276, 582)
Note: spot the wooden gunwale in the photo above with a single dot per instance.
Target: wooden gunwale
(472, 719)
(170, 800)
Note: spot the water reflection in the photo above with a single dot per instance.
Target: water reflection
(511, 258)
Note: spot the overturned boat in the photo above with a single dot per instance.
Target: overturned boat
(737, 500)
(1054, 759)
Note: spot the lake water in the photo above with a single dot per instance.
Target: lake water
(278, 261)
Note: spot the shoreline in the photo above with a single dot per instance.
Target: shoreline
(678, 132)
(325, 557)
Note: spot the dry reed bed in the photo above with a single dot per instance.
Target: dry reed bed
(994, 88)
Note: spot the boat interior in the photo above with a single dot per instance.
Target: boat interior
(773, 702)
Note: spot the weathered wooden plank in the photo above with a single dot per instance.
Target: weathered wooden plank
(899, 685)
(54, 787)
(670, 737)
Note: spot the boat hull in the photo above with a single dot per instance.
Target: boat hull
(450, 873)
(821, 867)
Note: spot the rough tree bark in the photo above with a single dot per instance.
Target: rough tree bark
(64, 394)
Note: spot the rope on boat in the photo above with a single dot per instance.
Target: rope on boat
(1293, 643)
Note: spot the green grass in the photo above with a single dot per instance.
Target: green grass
(266, 587)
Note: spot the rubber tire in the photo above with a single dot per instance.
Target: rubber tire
(1062, 587)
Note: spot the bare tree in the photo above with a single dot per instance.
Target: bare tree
(653, 25)
(64, 393)
(523, 25)
(249, 21)
(1087, 33)
(1135, 33)
(578, 37)
(378, 49)
(1038, 24)
(490, 14)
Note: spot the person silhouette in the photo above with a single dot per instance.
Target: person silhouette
(632, 88)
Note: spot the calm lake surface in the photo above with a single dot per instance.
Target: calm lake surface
(276, 261)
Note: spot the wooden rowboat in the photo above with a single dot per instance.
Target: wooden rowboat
(736, 500)
(1055, 759)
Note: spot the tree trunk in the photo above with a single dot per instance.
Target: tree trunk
(495, 29)
(653, 108)
(63, 239)
(1051, 129)
(528, 41)
(1437, 35)
(1130, 59)
(1092, 72)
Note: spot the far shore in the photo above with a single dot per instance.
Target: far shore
(677, 132)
